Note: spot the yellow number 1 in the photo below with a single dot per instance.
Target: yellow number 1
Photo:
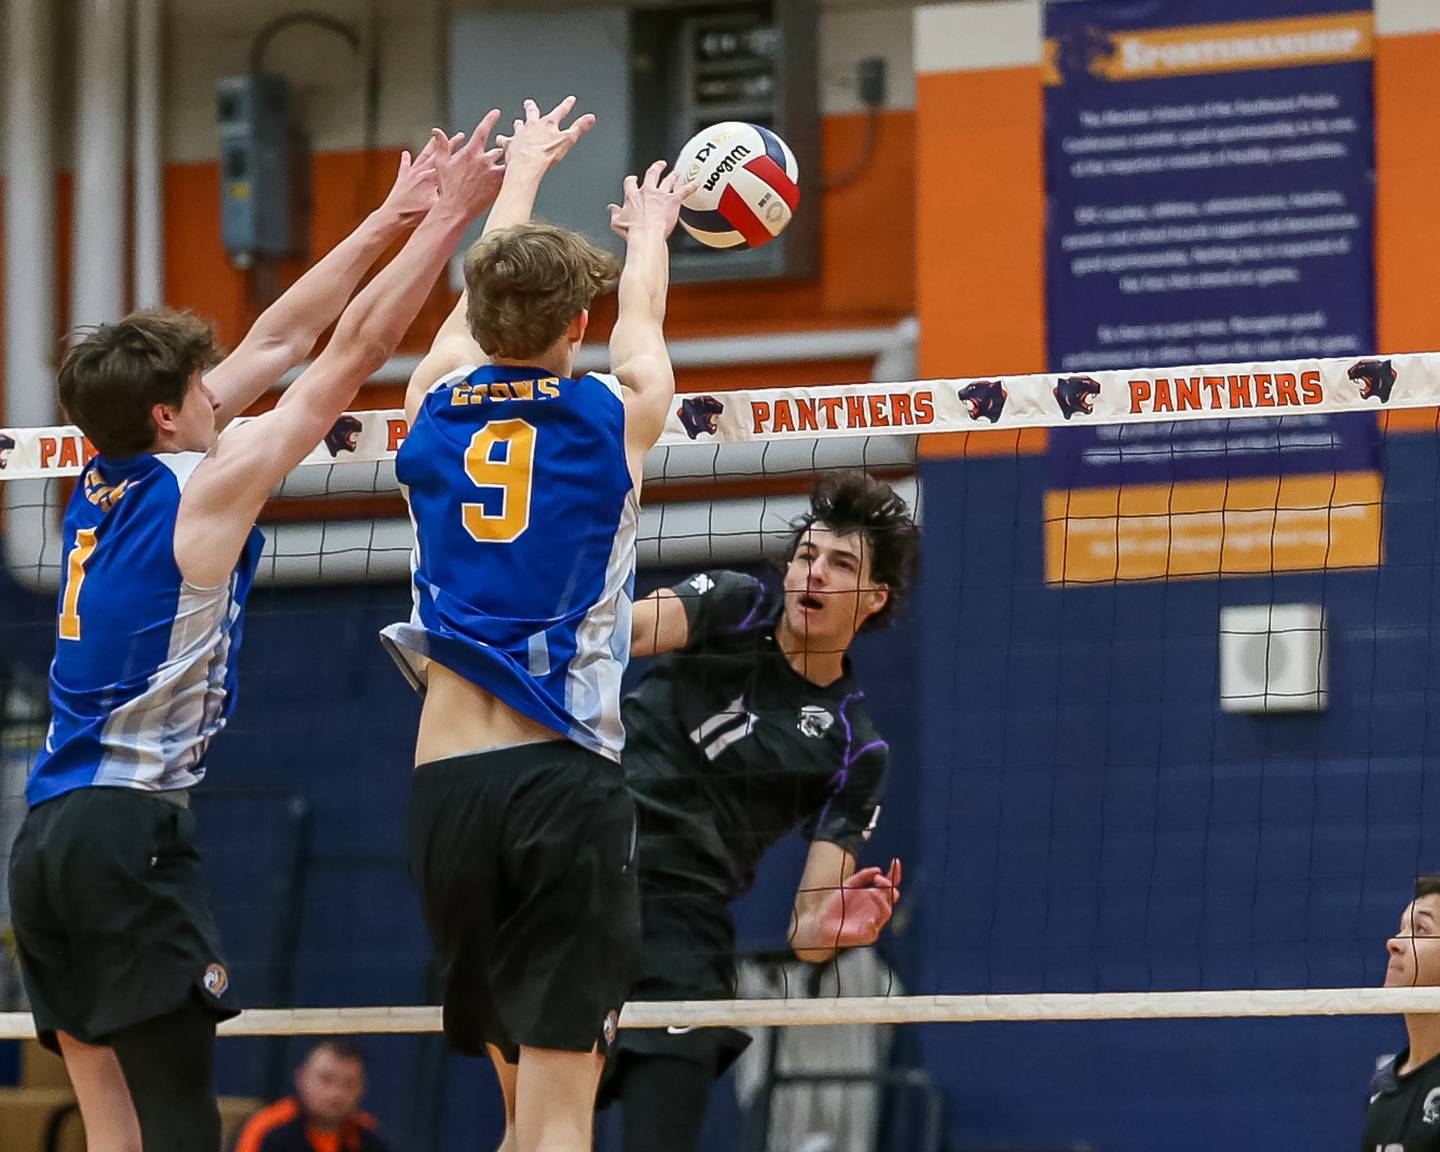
(509, 477)
(75, 576)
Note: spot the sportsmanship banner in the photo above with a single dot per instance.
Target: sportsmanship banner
(1124, 406)
(1210, 184)
(1209, 168)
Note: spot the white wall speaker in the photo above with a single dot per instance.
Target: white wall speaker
(1273, 658)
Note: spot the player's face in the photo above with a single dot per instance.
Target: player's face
(829, 591)
(329, 1087)
(195, 419)
(1415, 948)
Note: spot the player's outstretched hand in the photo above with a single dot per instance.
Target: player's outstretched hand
(416, 185)
(539, 142)
(470, 175)
(651, 202)
(855, 914)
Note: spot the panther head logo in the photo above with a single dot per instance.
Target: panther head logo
(814, 721)
(699, 414)
(1075, 395)
(6, 444)
(1375, 377)
(341, 437)
(985, 399)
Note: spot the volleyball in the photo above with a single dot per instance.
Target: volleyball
(748, 185)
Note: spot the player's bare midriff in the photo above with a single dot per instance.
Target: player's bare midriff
(458, 719)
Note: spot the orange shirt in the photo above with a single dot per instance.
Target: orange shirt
(286, 1113)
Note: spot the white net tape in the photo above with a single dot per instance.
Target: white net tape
(1018, 1008)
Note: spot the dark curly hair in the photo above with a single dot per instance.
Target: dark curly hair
(854, 502)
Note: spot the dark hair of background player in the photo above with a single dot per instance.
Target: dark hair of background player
(854, 502)
(113, 377)
(527, 283)
(345, 1050)
(1427, 885)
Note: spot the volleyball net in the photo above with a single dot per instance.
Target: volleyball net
(1158, 705)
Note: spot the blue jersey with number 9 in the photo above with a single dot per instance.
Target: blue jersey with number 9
(524, 563)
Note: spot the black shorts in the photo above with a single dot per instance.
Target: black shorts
(112, 921)
(524, 858)
(688, 954)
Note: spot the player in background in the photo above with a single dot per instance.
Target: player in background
(1404, 1112)
(116, 939)
(523, 481)
(752, 726)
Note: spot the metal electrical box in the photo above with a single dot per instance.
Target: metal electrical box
(261, 183)
(653, 76)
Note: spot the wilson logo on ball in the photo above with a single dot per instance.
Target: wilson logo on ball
(748, 185)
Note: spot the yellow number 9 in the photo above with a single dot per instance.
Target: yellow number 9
(510, 476)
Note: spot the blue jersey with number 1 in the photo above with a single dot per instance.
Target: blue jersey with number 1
(524, 564)
(144, 670)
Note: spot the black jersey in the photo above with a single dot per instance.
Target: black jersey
(1404, 1112)
(728, 748)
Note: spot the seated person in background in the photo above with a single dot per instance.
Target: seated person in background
(324, 1114)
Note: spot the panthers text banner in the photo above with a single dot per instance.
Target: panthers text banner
(1172, 398)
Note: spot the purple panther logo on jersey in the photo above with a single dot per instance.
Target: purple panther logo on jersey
(341, 437)
(985, 399)
(1375, 377)
(814, 721)
(1075, 395)
(700, 414)
(6, 444)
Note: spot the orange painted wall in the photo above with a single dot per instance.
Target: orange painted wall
(981, 211)
(980, 269)
(1407, 175)
(867, 262)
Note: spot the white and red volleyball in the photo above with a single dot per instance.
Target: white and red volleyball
(749, 185)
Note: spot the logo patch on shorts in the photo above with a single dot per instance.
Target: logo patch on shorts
(216, 979)
(611, 1025)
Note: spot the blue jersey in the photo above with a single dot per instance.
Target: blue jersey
(144, 669)
(524, 563)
